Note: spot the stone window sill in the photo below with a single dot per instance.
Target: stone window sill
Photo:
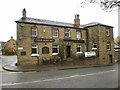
(55, 54)
(33, 55)
(79, 52)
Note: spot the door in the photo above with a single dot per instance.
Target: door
(110, 58)
(68, 51)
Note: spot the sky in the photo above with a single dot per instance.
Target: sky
(56, 10)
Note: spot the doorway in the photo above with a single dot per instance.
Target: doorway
(110, 58)
(68, 51)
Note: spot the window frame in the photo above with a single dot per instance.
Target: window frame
(56, 31)
(36, 47)
(109, 45)
(93, 48)
(107, 32)
(45, 50)
(67, 33)
(80, 50)
(80, 37)
(55, 46)
(34, 29)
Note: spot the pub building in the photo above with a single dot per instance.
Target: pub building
(40, 40)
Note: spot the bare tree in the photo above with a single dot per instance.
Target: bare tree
(107, 5)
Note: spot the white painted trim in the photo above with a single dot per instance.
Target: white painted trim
(34, 55)
(55, 54)
(20, 48)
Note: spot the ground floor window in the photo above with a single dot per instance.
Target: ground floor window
(94, 46)
(55, 49)
(34, 49)
(79, 49)
(45, 50)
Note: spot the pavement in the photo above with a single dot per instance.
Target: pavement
(13, 68)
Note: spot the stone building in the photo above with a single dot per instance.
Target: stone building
(39, 40)
(100, 40)
(9, 46)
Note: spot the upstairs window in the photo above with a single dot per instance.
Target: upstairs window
(34, 49)
(55, 32)
(107, 32)
(45, 50)
(67, 33)
(94, 46)
(79, 49)
(78, 34)
(108, 46)
(33, 31)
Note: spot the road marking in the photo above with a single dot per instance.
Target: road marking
(46, 80)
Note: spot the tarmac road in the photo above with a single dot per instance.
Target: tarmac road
(94, 77)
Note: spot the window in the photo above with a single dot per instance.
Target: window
(108, 46)
(67, 33)
(23, 53)
(55, 32)
(55, 49)
(45, 50)
(33, 31)
(78, 34)
(94, 46)
(34, 49)
(79, 49)
(107, 32)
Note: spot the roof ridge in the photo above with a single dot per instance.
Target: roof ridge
(46, 20)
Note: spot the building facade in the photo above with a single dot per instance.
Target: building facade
(100, 40)
(40, 40)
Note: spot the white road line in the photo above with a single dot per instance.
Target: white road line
(74, 76)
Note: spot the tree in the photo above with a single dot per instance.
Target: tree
(107, 5)
(117, 40)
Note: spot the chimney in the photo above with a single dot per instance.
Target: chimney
(77, 20)
(24, 13)
(11, 37)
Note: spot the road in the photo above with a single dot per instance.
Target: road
(94, 77)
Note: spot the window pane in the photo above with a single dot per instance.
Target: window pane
(55, 49)
(94, 45)
(55, 32)
(79, 49)
(34, 50)
(67, 33)
(78, 34)
(108, 46)
(33, 31)
(107, 33)
(45, 50)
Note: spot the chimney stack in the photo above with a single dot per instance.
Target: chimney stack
(77, 20)
(24, 13)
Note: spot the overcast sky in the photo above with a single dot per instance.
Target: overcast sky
(57, 10)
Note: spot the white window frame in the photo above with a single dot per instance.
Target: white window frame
(34, 30)
(55, 46)
(107, 32)
(93, 48)
(108, 44)
(80, 46)
(78, 36)
(35, 47)
(56, 31)
(68, 33)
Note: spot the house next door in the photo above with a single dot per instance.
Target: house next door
(68, 51)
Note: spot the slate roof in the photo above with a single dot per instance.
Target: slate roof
(56, 23)
(46, 22)
(95, 24)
